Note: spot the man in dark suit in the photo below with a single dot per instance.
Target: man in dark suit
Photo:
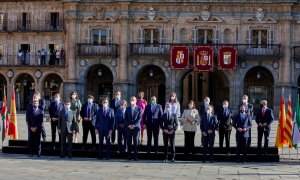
(120, 123)
(88, 113)
(242, 124)
(225, 118)
(133, 116)
(264, 118)
(105, 120)
(54, 109)
(151, 119)
(35, 117)
(169, 124)
(249, 111)
(66, 128)
(115, 105)
(208, 126)
(203, 107)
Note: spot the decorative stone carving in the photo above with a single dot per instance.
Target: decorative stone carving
(99, 14)
(151, 13)
(205, 14)
(260, 14)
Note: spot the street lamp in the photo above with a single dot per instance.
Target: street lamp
(151, 73)
(258, 75)
(25, 82)
(99, 72)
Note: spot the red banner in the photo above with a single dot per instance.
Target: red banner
(227, 58)
(179, 57)
(203, 58)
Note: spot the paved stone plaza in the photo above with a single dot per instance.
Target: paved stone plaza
(20, 166)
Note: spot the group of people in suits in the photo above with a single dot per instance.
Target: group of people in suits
(130, 120)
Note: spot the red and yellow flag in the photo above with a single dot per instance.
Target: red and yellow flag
(13, 130)
(288, 128)
(281, 122)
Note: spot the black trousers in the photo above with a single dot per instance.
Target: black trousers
(223, 133)
(43, 60)
(208, 145)
(260, 133)
(122, 138)
(44, 135)
(132, 135)
(166, 138)
(54, 127)
(86, 128)
(242, 147)
(104, 135)
(63, 148)
(152, 131)
(35, 142)
(249, 139)
(113, 136)
(189, 142)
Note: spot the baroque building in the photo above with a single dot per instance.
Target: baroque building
(125, 45)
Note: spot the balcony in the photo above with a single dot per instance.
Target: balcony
(32, 26)
(103, 50)
(30, 61)
(296, 53)
(245, 51)
(143, 49)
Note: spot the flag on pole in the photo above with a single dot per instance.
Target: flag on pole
(280, 129)
(4, 114)
(296, 133)
(288, 128)
(13, 130)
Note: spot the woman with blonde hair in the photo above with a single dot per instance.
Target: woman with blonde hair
(76, 106)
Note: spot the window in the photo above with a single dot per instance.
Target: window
(205, 36)
(1, 21)
(100, 36)
(54, 18)
(151, 36)
(24, 21)
(260, 38)
(1, 53)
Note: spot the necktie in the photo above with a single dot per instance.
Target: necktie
(104, 111)
(167, 116)
(263, 112)
(89, 111)
(132, 111)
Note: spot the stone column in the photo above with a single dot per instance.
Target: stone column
(70, 46)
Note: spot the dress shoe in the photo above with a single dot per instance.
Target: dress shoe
(237, 161)
(165, 160)
(70, 157)
(100, 158)
(30, 155)
(135, 159)
(38, 156)
(173, 160)
(211, 161)
(203, 161)
(62, 156)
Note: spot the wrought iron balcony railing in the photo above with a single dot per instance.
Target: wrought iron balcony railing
(33, 26)
(86, 49)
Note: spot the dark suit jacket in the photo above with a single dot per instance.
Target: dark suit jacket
(152, 119)
(268, 118)
(170, 123)
(242, 123)
(225, 121)
(35, 118)
(55, 108)
(113, 105)
(209, 124)
(135, 119)
(119, 117)
(105, 122)
(67, 125)
(202, 110)
(84, 113)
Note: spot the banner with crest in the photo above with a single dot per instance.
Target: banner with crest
(179, 57)
(227, 58)
(203, 58)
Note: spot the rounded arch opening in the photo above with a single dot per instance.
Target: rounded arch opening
(25, 88)
(52, 84)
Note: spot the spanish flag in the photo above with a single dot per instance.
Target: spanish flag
(288, 128)
(281, 122)
(13, 130)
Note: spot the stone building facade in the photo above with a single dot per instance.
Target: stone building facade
(125, 45)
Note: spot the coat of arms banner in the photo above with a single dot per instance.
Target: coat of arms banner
(227, 58)
(179, 57)
(203, 58)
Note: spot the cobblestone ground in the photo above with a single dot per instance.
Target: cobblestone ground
(20, 166)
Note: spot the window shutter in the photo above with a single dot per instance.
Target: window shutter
(195, 36)
(270, 37)
(28, 16)
(4, 55)
(216, 36)
(249, 36)
(162, 35)
(109, 33)
(141, 35)
(18, 47)
(19, 21)
(88, 36)
(47, 23)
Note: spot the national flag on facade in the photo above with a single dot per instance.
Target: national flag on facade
(4, 114)
(288, 128)
(296, 133)
(13, 130)
(281, 122)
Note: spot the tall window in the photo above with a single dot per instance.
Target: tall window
(260, 38)
(205, 36)
(99, 36)
(24, 21)
(151, 36)
(1, 21)
(54, 18)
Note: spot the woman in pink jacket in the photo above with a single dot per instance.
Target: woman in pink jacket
(141, 102)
